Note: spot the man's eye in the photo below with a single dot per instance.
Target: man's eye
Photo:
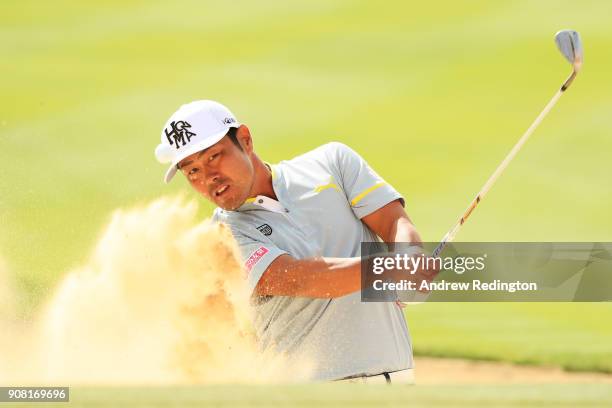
(213, 157)
(193, 171)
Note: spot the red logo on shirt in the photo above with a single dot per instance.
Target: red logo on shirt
(255, 257)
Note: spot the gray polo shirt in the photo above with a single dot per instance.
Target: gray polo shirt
(322, 196)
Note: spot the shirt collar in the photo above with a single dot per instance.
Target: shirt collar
(263, 202)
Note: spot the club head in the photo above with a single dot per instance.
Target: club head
(568, 42)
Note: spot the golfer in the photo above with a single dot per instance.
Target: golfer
(299, 225)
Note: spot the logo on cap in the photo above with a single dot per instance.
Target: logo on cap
(229, 121)
(265, 229)
(178, 131)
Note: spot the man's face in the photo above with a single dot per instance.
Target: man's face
(223, 173)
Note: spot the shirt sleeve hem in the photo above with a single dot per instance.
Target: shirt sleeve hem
(255, 274)
(376, 200)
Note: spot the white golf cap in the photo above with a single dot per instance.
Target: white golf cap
(193, 127)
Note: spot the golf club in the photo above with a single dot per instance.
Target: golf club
(568, 42)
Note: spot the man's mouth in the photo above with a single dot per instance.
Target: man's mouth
(221, 190)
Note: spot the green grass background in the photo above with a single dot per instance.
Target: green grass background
(342, 395)
(433, 94)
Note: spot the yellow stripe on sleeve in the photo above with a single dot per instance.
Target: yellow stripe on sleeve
(364, 193)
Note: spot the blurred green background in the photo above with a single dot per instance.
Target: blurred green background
(432, 94)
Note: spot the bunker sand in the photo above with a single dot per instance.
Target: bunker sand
(162, 300)
(438, 371)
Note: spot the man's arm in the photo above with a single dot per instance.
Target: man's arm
(334, 277)
(391, 223)
(313, 277)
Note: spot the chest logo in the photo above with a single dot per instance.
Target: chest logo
(330, 184)
(265, 229)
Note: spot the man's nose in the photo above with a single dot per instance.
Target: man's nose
(213, 178)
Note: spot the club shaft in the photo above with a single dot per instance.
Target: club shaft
(450, 235)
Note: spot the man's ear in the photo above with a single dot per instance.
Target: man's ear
(244, 138)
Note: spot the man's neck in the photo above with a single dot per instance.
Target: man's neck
(263, 180)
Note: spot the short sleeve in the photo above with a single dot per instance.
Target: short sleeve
(256, 257)
(366, 191)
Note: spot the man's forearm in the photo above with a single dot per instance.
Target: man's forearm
(313, 277)
(405, 231)
(392, 224)
(319, 277)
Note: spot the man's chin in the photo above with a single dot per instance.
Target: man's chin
(230, 206)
